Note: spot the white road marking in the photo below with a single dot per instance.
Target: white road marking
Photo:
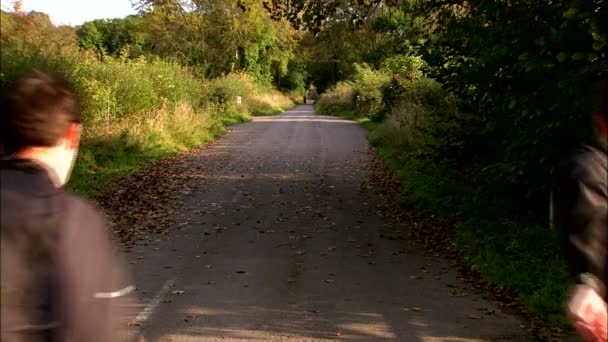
(115, 294)
(149, 309)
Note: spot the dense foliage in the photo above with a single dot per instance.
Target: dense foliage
(524, 69)
(213, 37)
(477, 103)
(135, 104)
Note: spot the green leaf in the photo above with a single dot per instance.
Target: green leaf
(540, 41)
(571, 13)
(578, 56)
(562, 57)
(599, 45)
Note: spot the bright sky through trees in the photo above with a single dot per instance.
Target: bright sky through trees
(75, 12)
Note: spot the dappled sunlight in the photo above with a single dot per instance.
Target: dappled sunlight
(449, 339)
(419, 322)
(296, 324)
(301, 111)
(251, 323)
(248, 177)
(310, 117)
(375, 330)
(233, 334)
(303, 119)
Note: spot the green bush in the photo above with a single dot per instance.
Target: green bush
(367, 90)
(295, 80)
(134, 110)
(525, 70)
(225, 90)
(339, 100)
(407, 67)
(268, 104)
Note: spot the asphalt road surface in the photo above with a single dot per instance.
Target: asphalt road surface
(279, 241)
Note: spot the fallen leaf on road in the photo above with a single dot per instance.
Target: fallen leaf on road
(329, 281)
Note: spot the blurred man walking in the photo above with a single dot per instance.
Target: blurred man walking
(59, 278)
(582, 208)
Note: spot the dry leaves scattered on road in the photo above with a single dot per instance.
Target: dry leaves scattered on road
(436, 233)
(145, 203)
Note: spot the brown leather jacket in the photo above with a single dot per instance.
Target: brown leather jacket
(582, 210)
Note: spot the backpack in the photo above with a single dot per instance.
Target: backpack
(31, 210)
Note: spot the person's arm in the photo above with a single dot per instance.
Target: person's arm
(93, 289)
(583, 211)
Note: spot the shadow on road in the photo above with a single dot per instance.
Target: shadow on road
(281, 240)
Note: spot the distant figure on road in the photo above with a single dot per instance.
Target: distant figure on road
(312, 94)
(59, 278)
(582, 209)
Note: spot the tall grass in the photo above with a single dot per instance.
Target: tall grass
(121, 146)
(338, 101)
(269, 104)
(133, 111)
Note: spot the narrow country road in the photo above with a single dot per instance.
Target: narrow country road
(279, 241)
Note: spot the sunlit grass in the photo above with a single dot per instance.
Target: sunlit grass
(269, 104)
(121, 147)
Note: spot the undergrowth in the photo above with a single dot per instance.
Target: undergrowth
(510, 251)
(120, 148)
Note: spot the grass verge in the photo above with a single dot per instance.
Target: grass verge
(269, 104)
(120, 148)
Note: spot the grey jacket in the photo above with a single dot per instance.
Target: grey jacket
(71, 286)
(582, 211)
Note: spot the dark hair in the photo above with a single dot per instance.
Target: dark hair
(600, 96)
(36, 112)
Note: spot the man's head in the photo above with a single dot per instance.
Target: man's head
(40, 120)
(600, 108)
